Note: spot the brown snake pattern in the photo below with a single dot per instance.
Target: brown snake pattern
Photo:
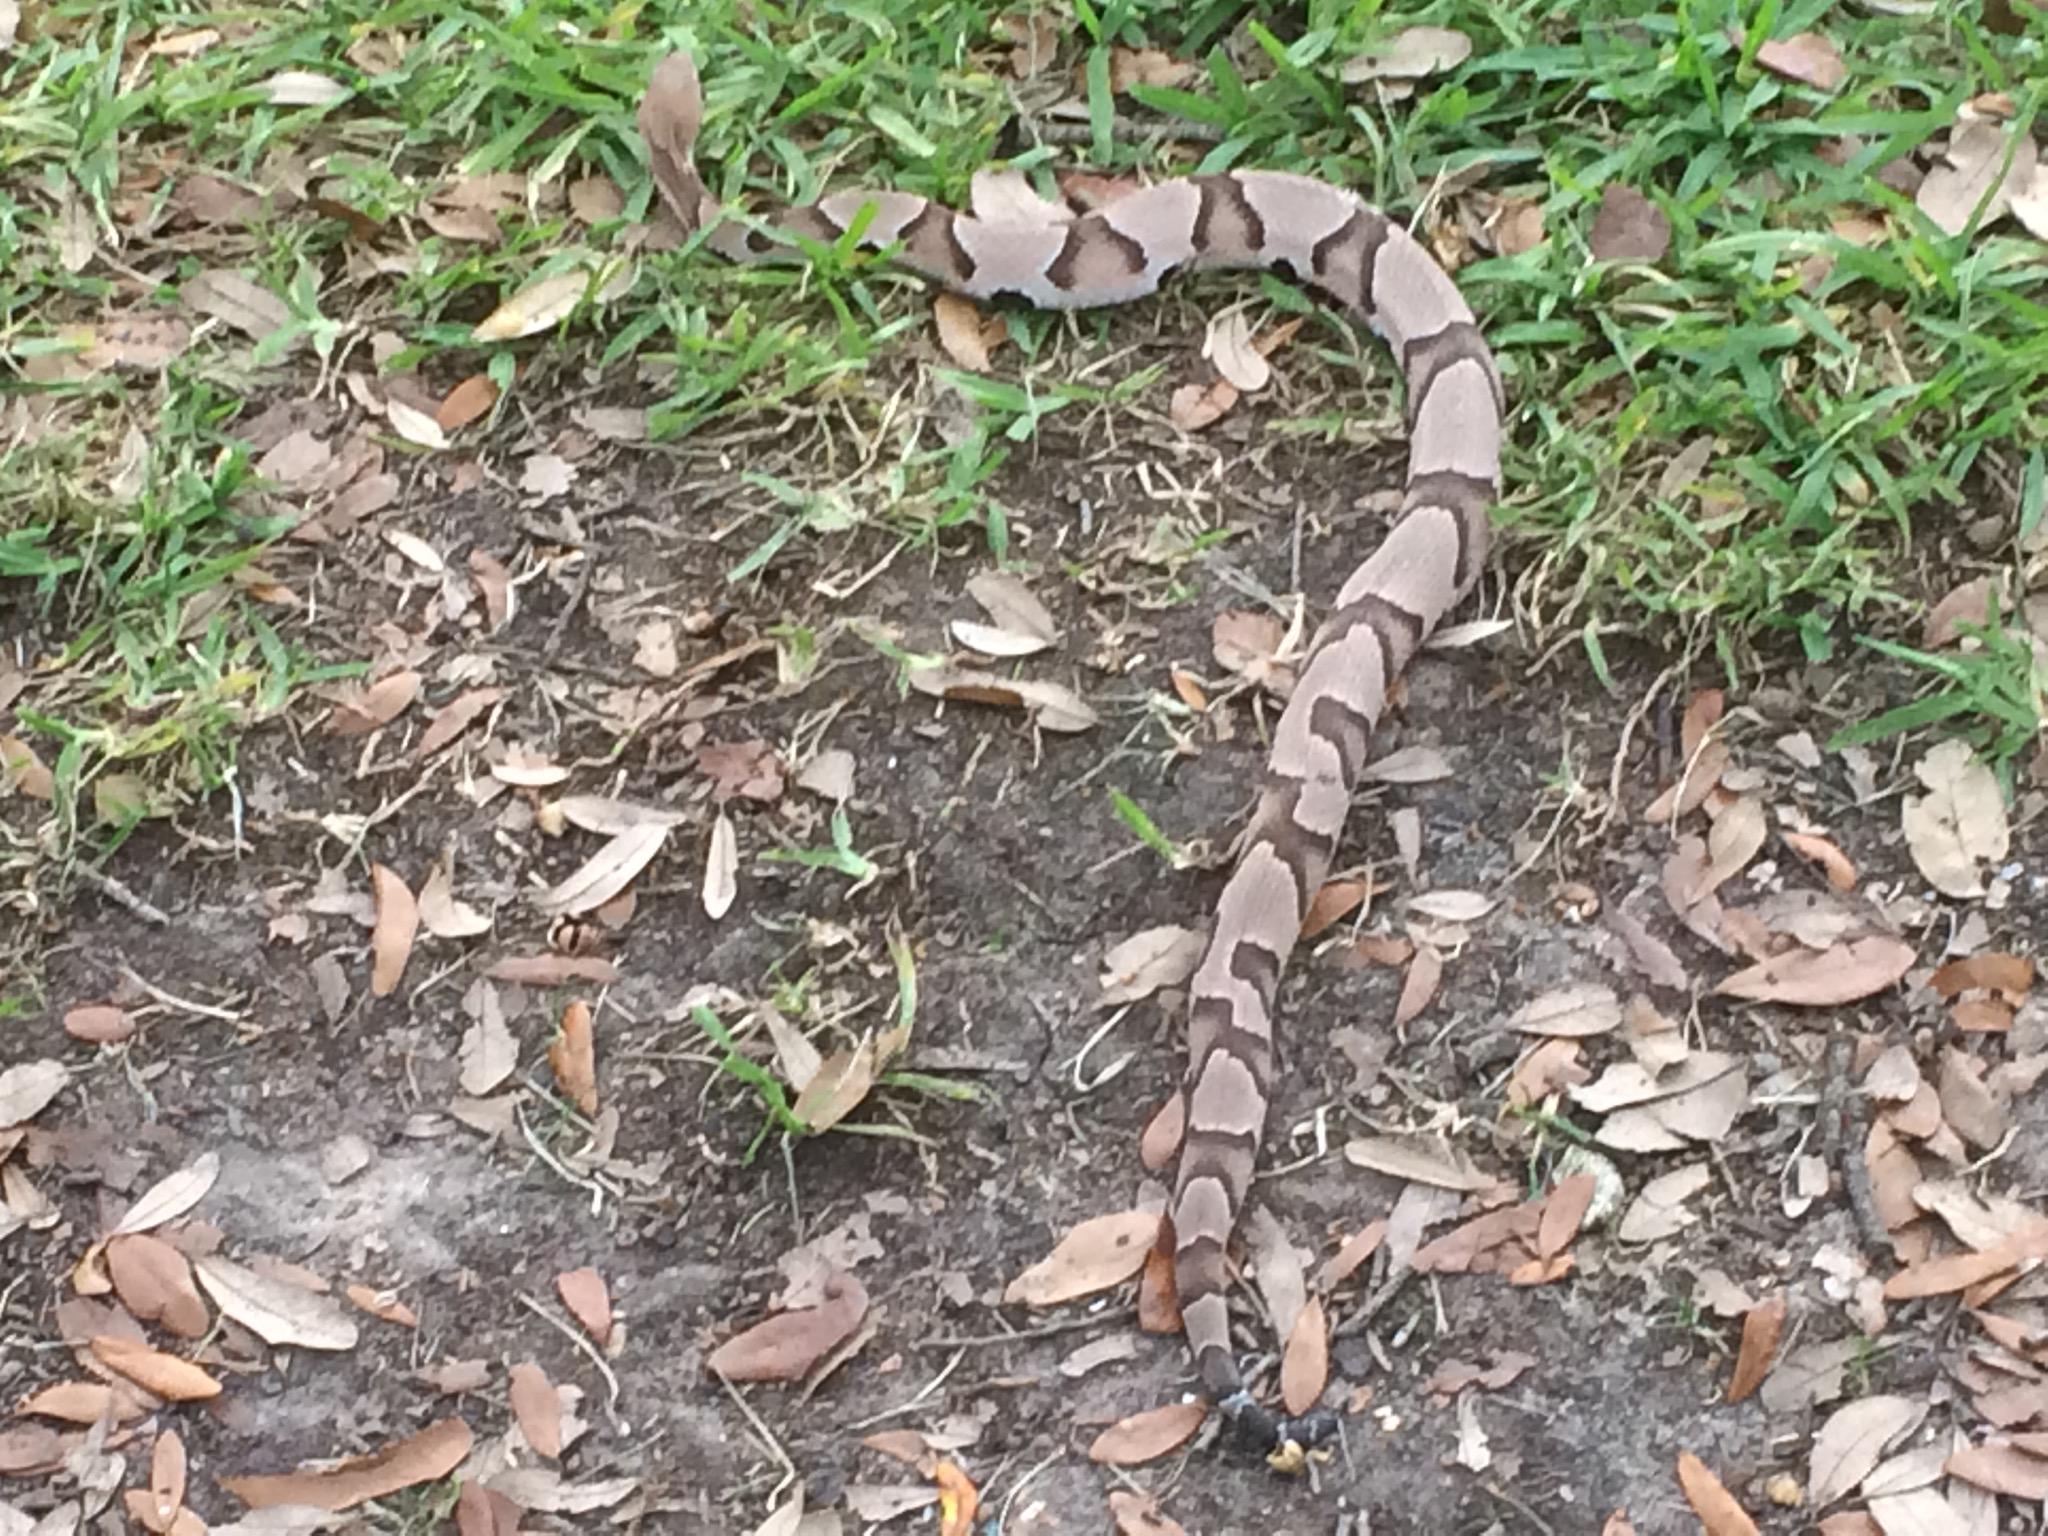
(1326, 238)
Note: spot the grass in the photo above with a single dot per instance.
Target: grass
(1856, 413)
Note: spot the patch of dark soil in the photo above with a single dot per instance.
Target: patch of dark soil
(1005, 865)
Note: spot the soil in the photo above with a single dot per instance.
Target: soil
(1004, 864)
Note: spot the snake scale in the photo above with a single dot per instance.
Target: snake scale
(1324, 237)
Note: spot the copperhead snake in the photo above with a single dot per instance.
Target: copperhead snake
(1327, 239)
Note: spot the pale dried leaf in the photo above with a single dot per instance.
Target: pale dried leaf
(1853, 1441)
(276, 1311)
(1959, 828)
(1095, 1255)
(607, 872)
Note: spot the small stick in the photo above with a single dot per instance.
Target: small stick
(589, 1347)
(172, 1000)
(118, 892)
(775, 1449)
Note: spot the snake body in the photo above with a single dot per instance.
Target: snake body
(1326, 238)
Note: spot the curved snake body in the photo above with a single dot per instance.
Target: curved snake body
(1326, 238)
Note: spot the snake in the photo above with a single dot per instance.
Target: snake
(1362, 262)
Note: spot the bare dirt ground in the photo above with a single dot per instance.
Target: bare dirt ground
(1004, 864)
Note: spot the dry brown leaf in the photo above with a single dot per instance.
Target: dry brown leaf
(1195, 406)
(542, 304)
(1714, 1504)
(589, 1301)
(1834, 863)
(363, 710)
(170, 1196)
(1417, 1160)
(1146, 66)
(98, 1023)
(1976, 164)
(1853, 1441)
(1958, 829)
(838, 1087)
(1564, 1209)
(607, 872)
(2001, 1469)
(1305, 1364)
(27, 1089)
(1414, 53)
(2002, 972)
(170, 1378)
(1569, 1012)
(1629, 227)
(1333, 901)
(1659, 1210)
(967, 335)
(154, 1281)
(1136, 967)
(554, 970)
(1098, 1253)
(1806, 57)
(85, 1402)
(1418, 987)
(1149, 1435)
(1824, 978)
(1762, 1326)
(425, 1457)
(398, 922)
(1159, 1142)
(537, 1407)
(167, 1468)
(467, 401)
(456, 717)
(787, 1346)
(275, 1310)
(1356, 1250)
(382, 1305)
(1158, 1301)
(572, 1055)
(441, 914)
(720, 887)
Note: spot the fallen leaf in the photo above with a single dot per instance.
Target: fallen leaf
(84, 1402)
(1414, 53)
(1564, 1209)
(1333, 901)
(397, 923)
(26, 1090)
(1136, 967)
(1806, 57)
(154, 1282)
(2001, 1469)
(959, 1500)
(607, 872)
(276, 1311)
(1959, 827)
(1842, 973)
(786, 1347)
(1714, 1504)
(441, 914)
(1305, 1363)
(170, 1378)
(1658, 1212)
(426, 1457)
(1418, 986)
(1762, 1326)
(537, 1407)
(1853, 1441)
(1569, 1012)
(1976, 164)
(382, 1305)
(589, 1301)
(837, 1088)
(967, 335)
(572, 1055)
(721, 884)
(363, 710)
(1195, 406)
(1149, 1435)
(1417, 1160)
(538, 306)
(1095, 1255)
(169, 1197)
(1834, 863)
(1453, 906)
(1629, 227)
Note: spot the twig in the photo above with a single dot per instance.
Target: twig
(119, 893)
(589, 1347)
(767, 1438)
(923, 1392)
(1022, 1335)
(184, 1004)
